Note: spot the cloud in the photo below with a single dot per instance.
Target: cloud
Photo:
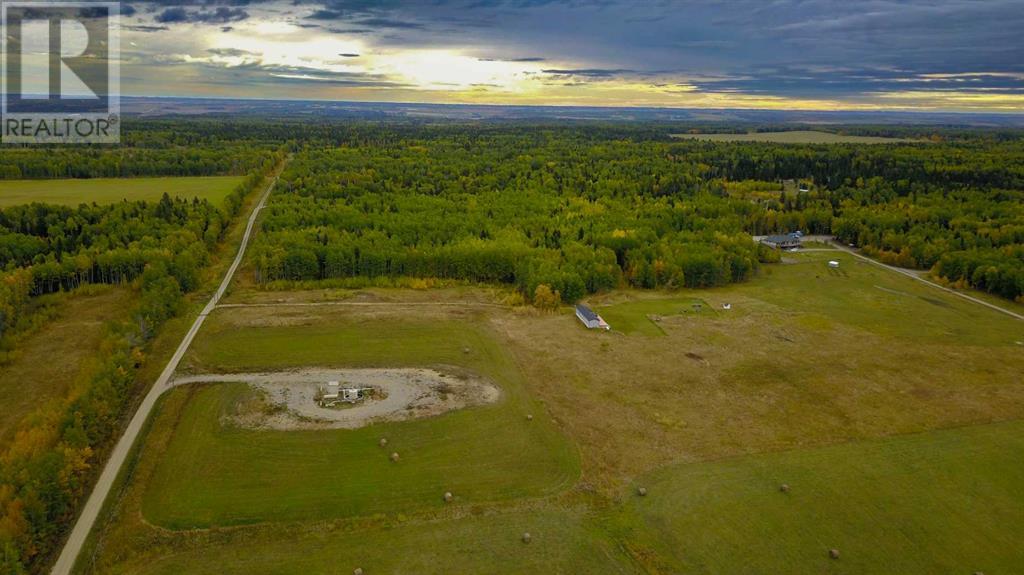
(379, 22)
(145, 28)
(625, 50)
(219, 15)
(588, 72)
(528, 59)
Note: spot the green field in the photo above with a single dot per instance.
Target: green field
(796, 137)
(564, 540)
(872, 395)
(939, 502)
(639, 316)
(112, 190)
(215, 474)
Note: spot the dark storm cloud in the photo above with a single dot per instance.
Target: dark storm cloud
(788, 48)
(146, 28)
(219, 15)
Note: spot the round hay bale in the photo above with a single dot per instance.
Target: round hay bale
(978, 573)
(448, 497)
(394, 456)
(465, 350)
(784, 488)
(383, 441)
(357, 571)
(529, 417)
(526, 537)
(641, 491)
(833, 553)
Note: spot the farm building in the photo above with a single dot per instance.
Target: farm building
(590, 318)
(783, 242)
(833, 264)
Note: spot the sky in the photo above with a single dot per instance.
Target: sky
(953, 55)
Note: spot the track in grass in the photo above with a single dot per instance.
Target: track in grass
(113, 190)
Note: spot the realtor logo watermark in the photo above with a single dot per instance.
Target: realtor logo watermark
(60, 73)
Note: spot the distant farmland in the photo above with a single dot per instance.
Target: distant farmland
(795, 137)
(111, 190)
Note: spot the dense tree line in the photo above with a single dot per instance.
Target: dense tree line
(157, 249)
(523, 209)
(590, 207)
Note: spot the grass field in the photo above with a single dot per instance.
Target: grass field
(872, 395)
(795, 137)
(48, 362)
(112, 190)
(640, 316)
(212, 474)
(940, 502)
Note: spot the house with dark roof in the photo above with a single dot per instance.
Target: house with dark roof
(590, 318)
(784, 242)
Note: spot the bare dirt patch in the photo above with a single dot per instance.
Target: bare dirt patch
(287, 397)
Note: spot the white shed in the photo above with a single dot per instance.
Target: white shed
(833, 264)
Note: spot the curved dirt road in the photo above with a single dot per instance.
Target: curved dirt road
(91, 510)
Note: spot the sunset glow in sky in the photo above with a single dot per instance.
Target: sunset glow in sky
(961, 55)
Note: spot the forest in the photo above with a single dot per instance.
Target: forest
(585, 209)
(157, 249)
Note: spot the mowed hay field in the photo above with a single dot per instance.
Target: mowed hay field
(797, 137)
(876, 398)
(112, 190)
(807, 356)
(946, 501)
(198, 471)
(47, 364)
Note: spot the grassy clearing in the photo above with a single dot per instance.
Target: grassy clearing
(643, 316)
(796, 137)
(48, 362)
(564, 540)
(940, 502)
(698, 412)
(803, 358)
(213, 474)
(112, 190)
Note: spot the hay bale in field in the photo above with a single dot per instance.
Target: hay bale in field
(784, 488)
(641, 491)
(394, 457)
(527, 537)
(357, 571)
(529, 417)
(833, 553)
(448, 497)
(383, 441)
(465, 350)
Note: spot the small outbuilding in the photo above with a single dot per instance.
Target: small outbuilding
(333, 394)
(590, 318)
(834, 264)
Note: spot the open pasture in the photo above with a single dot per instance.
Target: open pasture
(834, 383)
(939, 502)
(796, 137)
(113, 190)
(802, 358)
